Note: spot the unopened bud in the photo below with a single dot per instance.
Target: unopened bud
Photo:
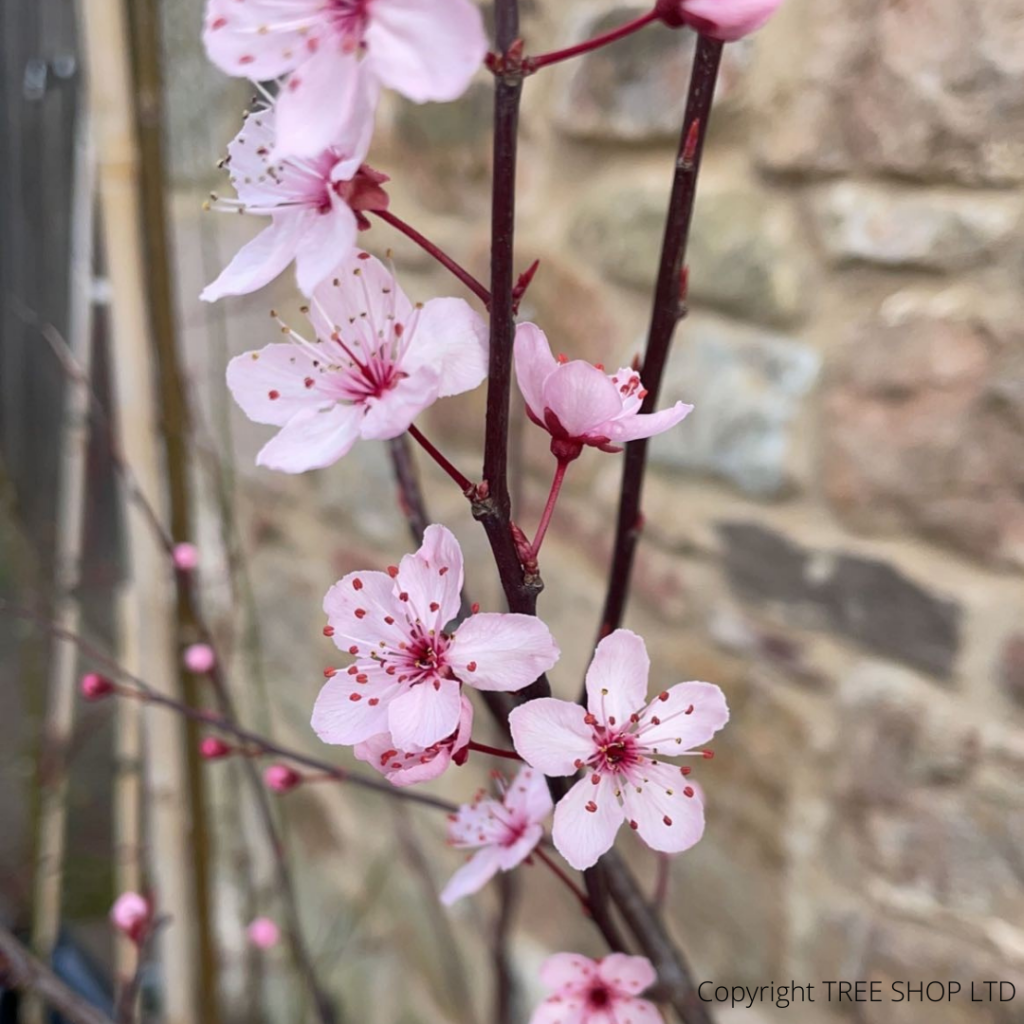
(281, 779)
(96, 687)
(213, 748)
(185, 557)
(131, 914)
(199, 658)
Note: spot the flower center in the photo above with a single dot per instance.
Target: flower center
(599, 997)
(349, 18)
(615, 754)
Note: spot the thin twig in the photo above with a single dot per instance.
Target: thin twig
(505, 988)
(22, 972)
(542, 60)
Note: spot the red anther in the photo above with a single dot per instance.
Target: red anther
(578, 763)
(353, 650)
(355, 697)
(689, 710)
(633, 825)
(688, 791)
(474, 607)
(685, 770)
(389, 620)
(363, 256)
(591, 806)
(667, 820)
(589, 719)
(357, 584)
(471, 667)
(96, 687)
(692, 139)
(360, 613)
(218, 23)
(434, 606)
(442, 570)
(373, 701)
(663, 695)
(353, 670)
(328, 631)
(403, 596)
(392, 571)
(212, 748)
(330, 673)
(273, 395)
(563, 358)
(707, 754)
(655, 720)
(595, 778)
(309, 382)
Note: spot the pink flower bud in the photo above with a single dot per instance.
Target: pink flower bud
(212, 748)
(199, 658)
(185, 556)
(263, 933)
(727, 20)
(131, 914)
(281, 778)
(96, 687)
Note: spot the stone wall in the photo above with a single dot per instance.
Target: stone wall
(836, 535)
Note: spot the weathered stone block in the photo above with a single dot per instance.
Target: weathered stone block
(923, 427)
(867, 601)
(748, 388)
(928, 230)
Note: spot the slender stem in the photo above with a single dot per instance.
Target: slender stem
(22, 972)
(465, 484)
(668, 310)
(482, 748)
(410, 495)
(439, 254)
(504, 975)
(556, 486)
(564, 878)
(531, 64)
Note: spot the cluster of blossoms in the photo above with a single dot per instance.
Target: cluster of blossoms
(373, 363)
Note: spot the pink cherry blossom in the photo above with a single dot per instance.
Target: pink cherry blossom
(185, 557)
(316, 207)
(418, 764)
(334, 50)
(727, 20)
(131, 914)
(378, 361)
(410, 664)
(96, 687)
(585, 991)
(199, 658)
(503, 832)
(621, 743)
(263, 933)
(281, 779)
(579, 404)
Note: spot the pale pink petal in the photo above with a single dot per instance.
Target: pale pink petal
(452, 338)
(358, 608)
(534, 364)
(568, 973)
(666, 818)
(343, 713)
(528, 797)
(331, 235)
(472, 876)
(270, 385)
(617, 678)
(688, 717)
(433, 578)
(391, 413)
(638, 1011)
(498, 651)
(514, 854)
(425, 714)
(551, 735)
(424, 49)
(582, 397)
(233, 41)
(321, 101)
(628, 975)
(403, 768)
(312, 439)
(571, 1010)
(727, 20)
(586, 821)
(632, 428)
(361, 289)
(258, 262)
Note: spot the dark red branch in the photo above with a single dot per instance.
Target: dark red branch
(668, 310)
(482, 748)
(439, 254)
(465, 484)
(531, 64)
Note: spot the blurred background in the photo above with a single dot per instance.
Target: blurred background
(835, 536)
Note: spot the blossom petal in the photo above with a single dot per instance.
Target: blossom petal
(426, 50)
(632, 428)
(639, 1011)
(340, 718)
(391, 413)
(235, 45)
(449, 335)
(331, 234)
(514, 854)
(472, 876)
(321, 102)
(361, 289)
(433, 577)
(727, 21)
(425, 714)
(582, 396)
(502, 651)
(687, 718)
(259, 261)
(568, 972)
(270, 385)
(617, 678)
(534, 364)
(401, 767)
(528, 797)
(561, 1011)
(628, 975)
(586, 821)
(312, 439)
(666, 818)
(551, 735)
(358, 608)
